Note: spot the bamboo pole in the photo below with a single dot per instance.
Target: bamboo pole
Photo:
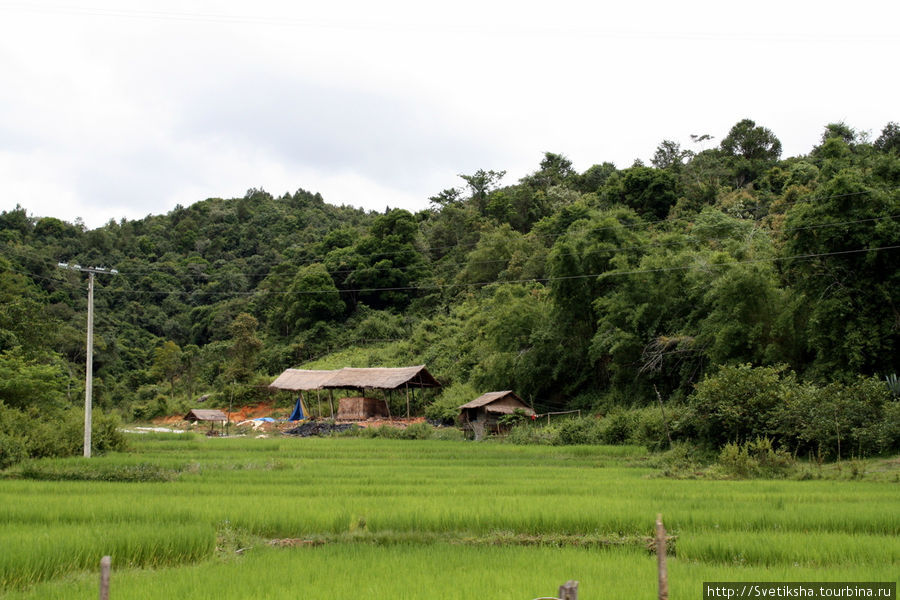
(661, 559)
(407, 402)
(319, 403)
(331, 402)
(105, 564)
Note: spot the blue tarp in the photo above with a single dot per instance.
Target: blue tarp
(297, 415)
(265, 419)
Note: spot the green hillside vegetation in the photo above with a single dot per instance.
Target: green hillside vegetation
(749, 294)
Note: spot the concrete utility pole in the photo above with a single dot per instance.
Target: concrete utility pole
(89, 361)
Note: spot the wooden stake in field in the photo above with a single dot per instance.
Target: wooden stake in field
(568, 591)
(661, 559)
(105, 564)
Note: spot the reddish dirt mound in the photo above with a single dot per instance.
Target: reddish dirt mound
(251, 412)
(265, 409)
(243, 413)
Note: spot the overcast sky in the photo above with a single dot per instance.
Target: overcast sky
(112, 109)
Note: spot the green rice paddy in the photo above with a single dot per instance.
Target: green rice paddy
(192, 516)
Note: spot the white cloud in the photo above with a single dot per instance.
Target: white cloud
(115, 109)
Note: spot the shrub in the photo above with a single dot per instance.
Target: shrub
(12, 450)
(617, 427)
(530, 433)
(417, 431)
(576, 432)
(840, 419)
(54, 433)
(737, 403)
(446, 406)
(758, 458)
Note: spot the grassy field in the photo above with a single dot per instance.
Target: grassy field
(192, 517)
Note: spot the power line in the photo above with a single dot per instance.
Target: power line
(438, 287)
(677, 242)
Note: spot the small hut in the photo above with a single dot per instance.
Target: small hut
(483, 414)
(206, 415)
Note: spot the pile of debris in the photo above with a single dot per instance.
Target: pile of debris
(319, 428)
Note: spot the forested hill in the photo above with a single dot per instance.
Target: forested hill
(571, 288)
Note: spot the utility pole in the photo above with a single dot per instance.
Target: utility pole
(89, 360)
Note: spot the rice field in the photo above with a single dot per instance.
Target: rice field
(191, 517)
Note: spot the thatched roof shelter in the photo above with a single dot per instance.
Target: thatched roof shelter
(301, 380)
(503, 403)
(349, 378)
(376, 378)
(205, 414)
(381, 378)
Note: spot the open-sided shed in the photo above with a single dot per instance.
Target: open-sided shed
(483, 413)
(206, 415)
(353, 378)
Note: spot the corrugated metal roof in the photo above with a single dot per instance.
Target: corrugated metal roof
(301, 379)
(355, 378)
(205, 414)
(493, 397)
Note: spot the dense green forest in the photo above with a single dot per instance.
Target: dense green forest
(614, 287)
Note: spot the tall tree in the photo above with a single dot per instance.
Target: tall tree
(245, 347)
(751, 149)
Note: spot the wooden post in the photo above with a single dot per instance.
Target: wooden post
(319, 403)
(105, 564)
(390, 398)
(331, 402)
(568, 591)
(407, 402)
(661, 559)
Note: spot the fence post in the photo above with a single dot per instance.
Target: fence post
(661, 559)
(568, 590)
(105, 563)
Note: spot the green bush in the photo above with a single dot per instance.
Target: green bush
(840, 419)
(417, 431)
(12, 450)
(648, 429)
(576, 431)
(737, 404)
(758, 458)
(446, 406)
(617, 427)
(54, 433)
(530, 434)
